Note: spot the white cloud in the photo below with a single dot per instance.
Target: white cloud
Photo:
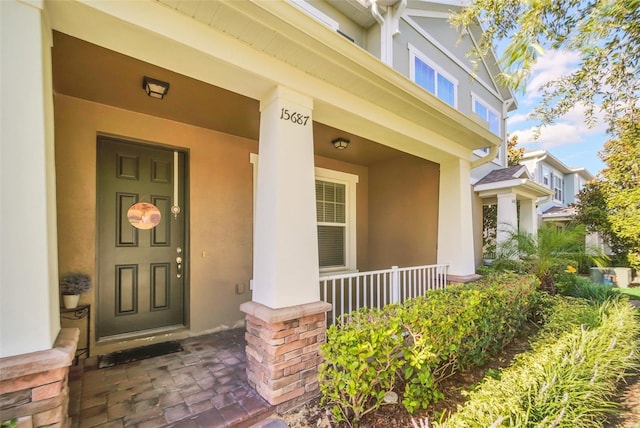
(518, 118)
(569, 129)
(550, 66)
(577, 116)
(569, 137)
(559, 134)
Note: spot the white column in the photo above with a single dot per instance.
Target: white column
(29, 317)
(507, 217)
(285, 255)
(528, 217)
(455, 219)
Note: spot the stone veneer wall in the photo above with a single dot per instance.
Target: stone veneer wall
(283, 351)
(34, 387)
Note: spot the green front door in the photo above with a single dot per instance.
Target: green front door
(141, 242)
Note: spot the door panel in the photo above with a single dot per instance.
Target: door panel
(139, 285)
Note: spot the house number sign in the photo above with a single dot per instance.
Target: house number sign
(294, 117)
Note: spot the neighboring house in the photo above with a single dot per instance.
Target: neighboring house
(244, 158)
(565, 182)
(515, 197)
(554, 185)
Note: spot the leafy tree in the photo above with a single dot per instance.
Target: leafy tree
(605, 34)
(621, 184)
(514, 155)
(547, 254)
(592, 212)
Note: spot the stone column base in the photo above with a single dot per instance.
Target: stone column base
(34, 387)
(283, 351)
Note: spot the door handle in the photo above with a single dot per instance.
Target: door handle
(179, 270)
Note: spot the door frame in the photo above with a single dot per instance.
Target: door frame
(185, 210)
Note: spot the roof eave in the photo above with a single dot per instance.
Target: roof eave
(353, 59)
(519, 186)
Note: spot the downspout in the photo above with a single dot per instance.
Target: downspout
(375, 11)
(376, 14)
(388, 29)
(544, 200)
(493, 152)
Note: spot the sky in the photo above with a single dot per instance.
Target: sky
(569, 139)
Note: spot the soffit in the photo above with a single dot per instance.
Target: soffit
(84, 70)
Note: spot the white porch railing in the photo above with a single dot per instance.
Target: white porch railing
(375, 289)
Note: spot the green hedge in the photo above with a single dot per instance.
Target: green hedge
(411, 347)
(569, 376)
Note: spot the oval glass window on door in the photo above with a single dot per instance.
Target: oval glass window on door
(144, 215)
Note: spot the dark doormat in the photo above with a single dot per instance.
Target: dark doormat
(136, 354)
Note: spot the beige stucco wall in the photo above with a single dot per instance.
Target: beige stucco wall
(221, 203)
(220, 187)
(403, 217)
(396, 206)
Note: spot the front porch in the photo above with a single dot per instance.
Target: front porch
(252, 234)
(205, 385)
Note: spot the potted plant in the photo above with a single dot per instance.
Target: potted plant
(72, 285)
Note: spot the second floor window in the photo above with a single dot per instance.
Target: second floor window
(546, 177)
(433, 79)
(488, 114)
(558, 184)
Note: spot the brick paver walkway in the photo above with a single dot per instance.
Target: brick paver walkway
(203, 386)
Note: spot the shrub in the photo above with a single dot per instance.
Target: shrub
(362, 355)
(584, 288)
(547, 253)
(421, 342)
(567, 379)
(75, 283)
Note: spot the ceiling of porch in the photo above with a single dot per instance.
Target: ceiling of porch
(91, 72)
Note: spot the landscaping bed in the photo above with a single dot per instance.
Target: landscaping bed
(392, 416)
(569, 376)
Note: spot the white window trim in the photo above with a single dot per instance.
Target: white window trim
(483, 152)
(475, 98)
(416, 53)
(548, 172)
(558, 178)
(350, 181)
(492, 89)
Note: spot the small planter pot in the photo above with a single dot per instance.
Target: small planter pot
(70, 301)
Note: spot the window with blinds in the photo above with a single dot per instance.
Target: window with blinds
(331, 212)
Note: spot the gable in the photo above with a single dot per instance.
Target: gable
(433, 31)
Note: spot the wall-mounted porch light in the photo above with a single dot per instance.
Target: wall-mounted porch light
(340, 143)
(155, 88)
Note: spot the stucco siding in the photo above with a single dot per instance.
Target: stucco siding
(403, 218)
(220, 211)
